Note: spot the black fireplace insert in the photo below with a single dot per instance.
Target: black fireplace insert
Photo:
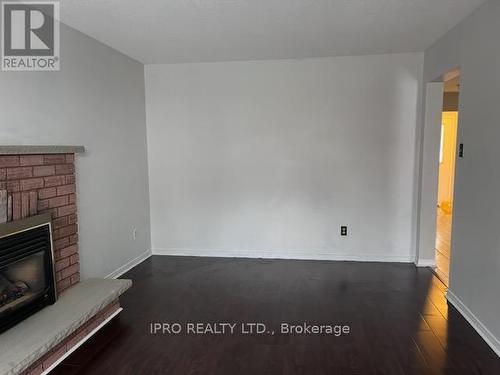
(27, 281)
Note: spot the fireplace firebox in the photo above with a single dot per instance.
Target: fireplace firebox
(27, 281)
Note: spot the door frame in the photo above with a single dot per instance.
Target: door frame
(429, 175)
(428, 171)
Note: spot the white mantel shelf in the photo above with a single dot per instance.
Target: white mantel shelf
(31, 149)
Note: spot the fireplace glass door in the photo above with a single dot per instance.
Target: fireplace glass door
(22, 282)
(26, 273)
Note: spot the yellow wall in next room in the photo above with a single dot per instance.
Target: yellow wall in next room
(447, 160)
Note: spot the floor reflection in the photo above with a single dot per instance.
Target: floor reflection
(443, 246)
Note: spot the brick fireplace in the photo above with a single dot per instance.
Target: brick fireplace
(37, 180)
(45, 183)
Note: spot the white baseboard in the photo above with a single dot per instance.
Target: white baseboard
(480, 328)
(425, 263)
(295, 254)
(82, 341)
(129, 265)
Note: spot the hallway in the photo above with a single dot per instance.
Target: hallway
(443, 246)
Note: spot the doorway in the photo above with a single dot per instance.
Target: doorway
(446, 180)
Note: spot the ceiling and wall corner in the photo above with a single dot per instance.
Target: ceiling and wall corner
(178, 31)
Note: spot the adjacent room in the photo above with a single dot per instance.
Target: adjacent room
(249, 187)
(447, 165)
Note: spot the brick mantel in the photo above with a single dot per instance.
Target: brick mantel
(45, 183)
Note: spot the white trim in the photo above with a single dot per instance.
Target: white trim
(425, 263)
(474, 321)
(288, 254)
(129, 265)
(82, 341)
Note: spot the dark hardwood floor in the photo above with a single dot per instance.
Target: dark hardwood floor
(399, 321)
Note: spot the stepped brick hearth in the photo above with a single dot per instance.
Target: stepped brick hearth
(44, 183)
(45, 363)
(38, 180)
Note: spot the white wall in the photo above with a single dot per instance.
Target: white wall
(270, 158)
(96, 100)
(429, 173)
(475, 263)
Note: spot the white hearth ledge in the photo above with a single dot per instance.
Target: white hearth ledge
(34, 150)
(26, 342)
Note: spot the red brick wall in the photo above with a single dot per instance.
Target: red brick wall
(46, 183)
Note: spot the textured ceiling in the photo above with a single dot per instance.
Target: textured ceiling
(171, 31)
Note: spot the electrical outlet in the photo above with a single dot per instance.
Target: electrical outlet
(134, 233)
(343, 230)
